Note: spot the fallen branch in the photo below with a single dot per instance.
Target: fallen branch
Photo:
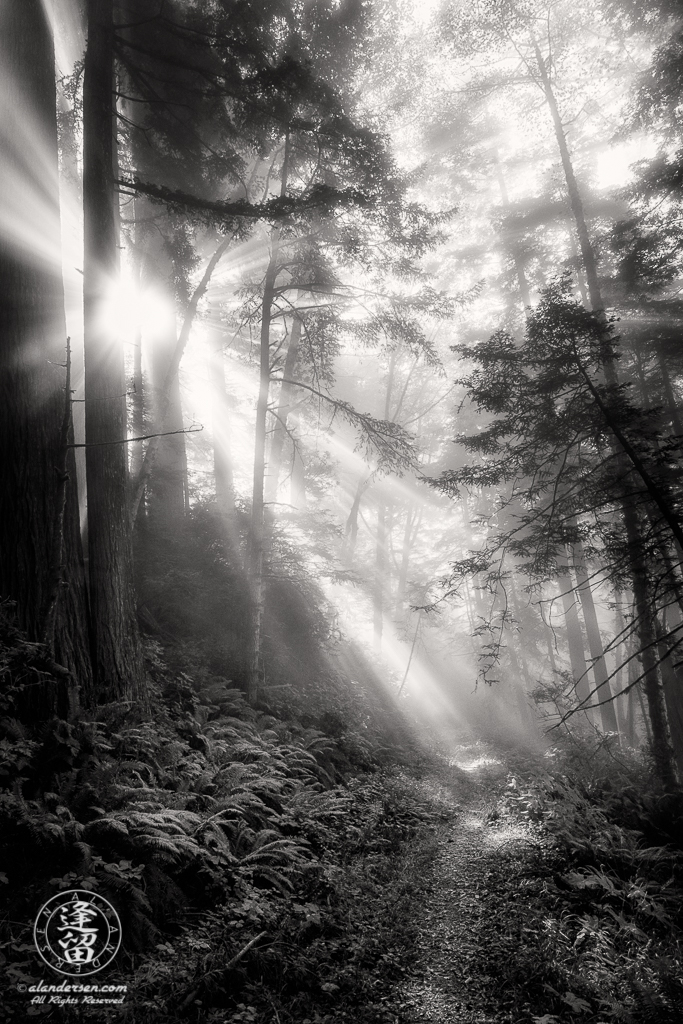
(189, 999)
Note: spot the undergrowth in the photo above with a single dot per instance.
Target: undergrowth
(584, 923)
(262, 868)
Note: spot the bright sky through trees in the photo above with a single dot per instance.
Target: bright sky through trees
(474, 156)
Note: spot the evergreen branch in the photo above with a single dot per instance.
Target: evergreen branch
(224, 212)
(387, 438)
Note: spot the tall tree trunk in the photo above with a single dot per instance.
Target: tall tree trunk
(297, 484)
(117, 653)
(520, 683)
(662, 750)
(671, 403)
(608, 716)
(138, 398)
(257, 537)
(381, 550)
(661, 741)
(351, 525)
(631, 716)
(513, 247)
(410, 534)
(575, 201)
(287, 391)
(672, 680)
(620, 700)
(39, 475)
(577, 656)
(380, 575)
(257, 534)
(166, 488)
(164, 395)
(576, 260)
(220, 427)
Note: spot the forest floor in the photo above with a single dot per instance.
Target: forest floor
(543, 903)
(452, 981)
(263, 884)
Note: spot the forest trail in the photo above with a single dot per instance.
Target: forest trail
(449, 983)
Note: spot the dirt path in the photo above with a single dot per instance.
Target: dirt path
(449, 981)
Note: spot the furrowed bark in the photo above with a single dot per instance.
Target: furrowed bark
(32, 400)
(117, 652)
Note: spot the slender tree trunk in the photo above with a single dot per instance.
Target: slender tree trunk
(577, 656)
(673, 688)
(220, 428)
(469, 607)
(380, 575)
(283, 411)
(257, 536)
(351, 525)
(551, 652)
(297, 485)
(576, 260)
(513, 247)
(410, 534)
(117, 653)
(661, 740)
(575, 201)
(662, 750)
(41, 566)
(620, 701)
(608, 716)
(520, 682)
(671, 403)
(381, 549)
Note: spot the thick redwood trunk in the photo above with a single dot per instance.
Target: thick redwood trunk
(138, 398)
(32, 357)
(117, 654)
(167, 484)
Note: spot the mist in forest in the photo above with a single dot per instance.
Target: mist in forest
(341, 510)
(373, 317)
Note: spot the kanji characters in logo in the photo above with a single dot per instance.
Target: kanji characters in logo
(77, 932)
